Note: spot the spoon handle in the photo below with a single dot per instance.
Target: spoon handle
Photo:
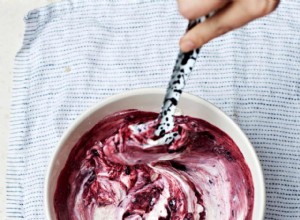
(183, 67)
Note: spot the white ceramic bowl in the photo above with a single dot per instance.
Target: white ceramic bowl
(151, 100)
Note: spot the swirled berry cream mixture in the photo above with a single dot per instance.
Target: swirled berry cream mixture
(120, 170)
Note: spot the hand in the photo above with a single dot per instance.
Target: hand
(230, 14)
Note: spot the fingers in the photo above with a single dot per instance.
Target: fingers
(192, 9)
(233, 15)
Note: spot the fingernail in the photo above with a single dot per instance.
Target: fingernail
(187, 45)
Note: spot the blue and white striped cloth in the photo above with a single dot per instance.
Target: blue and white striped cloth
(76, 53)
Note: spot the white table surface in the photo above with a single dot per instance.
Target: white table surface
(11, 36)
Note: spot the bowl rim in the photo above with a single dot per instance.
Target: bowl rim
(113, 98)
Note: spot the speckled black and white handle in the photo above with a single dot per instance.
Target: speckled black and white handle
(183, 67)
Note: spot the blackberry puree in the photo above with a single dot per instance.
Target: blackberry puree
(115, 172)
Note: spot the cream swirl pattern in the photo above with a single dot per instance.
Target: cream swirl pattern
(113, 172)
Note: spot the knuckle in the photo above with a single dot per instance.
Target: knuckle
(223, 30)
(219, 28)
(260, 8)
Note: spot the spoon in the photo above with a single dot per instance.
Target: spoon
(183, 67)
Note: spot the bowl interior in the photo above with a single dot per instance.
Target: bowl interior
(151, 100)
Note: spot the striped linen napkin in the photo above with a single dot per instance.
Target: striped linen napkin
(76, 53)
